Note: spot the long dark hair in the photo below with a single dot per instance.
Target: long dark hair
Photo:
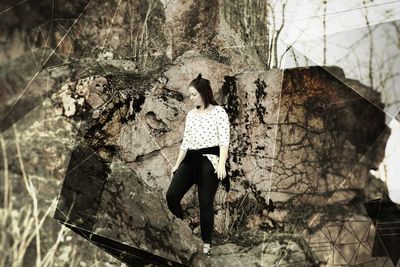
(204, 88)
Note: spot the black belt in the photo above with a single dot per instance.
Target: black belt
(194, 157)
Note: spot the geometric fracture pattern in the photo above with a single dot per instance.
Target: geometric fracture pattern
(348, 234)
(385, 216)
(369, 236)
(339, 236)
(346, 237)
(342, 242)
(357, 237)
(123, 252)
(81, 202)
(48, 46)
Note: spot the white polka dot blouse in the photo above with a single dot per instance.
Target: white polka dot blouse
(206, 130)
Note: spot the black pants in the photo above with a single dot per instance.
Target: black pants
(182, 182)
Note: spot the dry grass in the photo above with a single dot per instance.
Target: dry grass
(25, 239)
(20, 227)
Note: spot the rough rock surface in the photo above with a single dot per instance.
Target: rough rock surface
(127, 212)
(278, 138)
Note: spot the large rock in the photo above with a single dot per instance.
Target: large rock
(291, 133)
(127, 214)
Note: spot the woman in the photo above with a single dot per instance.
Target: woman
(202, 156)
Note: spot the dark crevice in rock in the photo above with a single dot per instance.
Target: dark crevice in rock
(229, 91)
(168, 94)
(261, 93)
(155, 123)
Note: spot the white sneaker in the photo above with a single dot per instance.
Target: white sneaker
(206, 249)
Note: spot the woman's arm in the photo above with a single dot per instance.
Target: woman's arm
(223, 136)
(184, 146)
(181, 156)
(223, 154)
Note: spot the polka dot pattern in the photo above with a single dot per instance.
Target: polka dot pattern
(206, 130)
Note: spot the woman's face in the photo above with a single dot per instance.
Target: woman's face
(195, 97)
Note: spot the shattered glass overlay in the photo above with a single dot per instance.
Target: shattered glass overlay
(28, 77)
(385, 216)
(88, 166)
(355, 238)
(367, 57)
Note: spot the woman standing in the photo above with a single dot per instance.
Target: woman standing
(202, 156)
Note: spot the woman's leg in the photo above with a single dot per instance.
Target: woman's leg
(180, 184)
(207, 191)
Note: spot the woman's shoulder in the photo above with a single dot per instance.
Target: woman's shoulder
(196, 110)
(216, 109)
(220, 109)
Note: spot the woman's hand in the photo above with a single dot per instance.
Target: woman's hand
(221, 172)
(173, 170)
